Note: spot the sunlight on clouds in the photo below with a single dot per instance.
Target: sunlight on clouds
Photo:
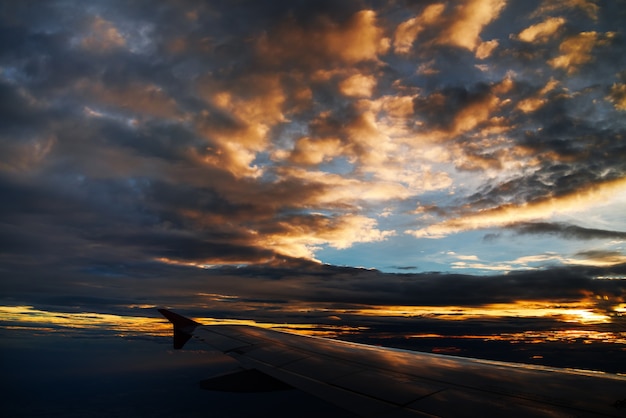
(358, 85)
(576, 312)
(301, 238)
(617, 96)
(309, 151)
(125, 325)
(568, 335)
(470, 17)
(485, 49)
(578, 201)
(29, 318)
(541, 31)
(548, 6)
(407, 32)
(576, 50)
(256, 104)
(536, 102)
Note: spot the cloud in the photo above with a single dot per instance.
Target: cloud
(407, 32)
(589, 7)
(311, 151)
(543, 31)
(468, 20)
(358, 85)
(103, 36)
(485, 49)
(578, 200)
(617, 94)
(576, 50)
(566, 231)
(460, 26)
(537, 101)
(355, 40)
(254, 132)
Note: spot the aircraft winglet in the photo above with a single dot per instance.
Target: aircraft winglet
(183, 327)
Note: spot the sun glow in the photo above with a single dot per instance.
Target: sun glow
(578, 312)
(29, 318)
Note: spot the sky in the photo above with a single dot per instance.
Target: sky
(423, 174)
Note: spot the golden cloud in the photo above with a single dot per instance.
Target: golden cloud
(255, 103)
(536, 102)
(310, 151)
(408, 31)
(300, 237)
(617, 96)
(485, 49)
(549, 6)
(541, 32)
(576, 50)
(358, 85)
(468, 21)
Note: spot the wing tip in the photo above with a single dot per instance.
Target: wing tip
(183, 327)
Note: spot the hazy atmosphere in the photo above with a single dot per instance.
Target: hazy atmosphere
(445, 176)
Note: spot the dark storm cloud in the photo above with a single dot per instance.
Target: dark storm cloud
(263, 289)
(566, 231)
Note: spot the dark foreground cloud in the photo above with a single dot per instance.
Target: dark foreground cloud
(566, 231)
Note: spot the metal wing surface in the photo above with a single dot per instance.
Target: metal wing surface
(383, 382)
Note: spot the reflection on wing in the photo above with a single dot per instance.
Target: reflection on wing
(383, 382)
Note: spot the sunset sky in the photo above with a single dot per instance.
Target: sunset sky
(350, 163)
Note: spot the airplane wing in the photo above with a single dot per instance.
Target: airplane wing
(384, 382)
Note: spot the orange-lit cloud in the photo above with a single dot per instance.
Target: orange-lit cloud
(255, 103)
(358, 85)
(576, 50)
(617, 96)
(485, 49)
(534, 103)
(577, 312)
(310, 151)
(300, 237)
(543, 31)
(408, 31)
(590, 7)
(469, 19)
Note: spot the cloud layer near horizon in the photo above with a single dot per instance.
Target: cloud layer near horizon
(250, 132)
